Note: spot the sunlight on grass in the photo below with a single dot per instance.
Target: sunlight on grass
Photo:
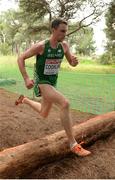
(86, 65)
(90, 67)
(89, 86)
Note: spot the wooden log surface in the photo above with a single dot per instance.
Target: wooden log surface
(18, 161)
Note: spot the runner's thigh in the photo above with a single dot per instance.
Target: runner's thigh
(50, 94)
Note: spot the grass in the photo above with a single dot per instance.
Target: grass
(89, 86)
(88, 92)
(87, 65)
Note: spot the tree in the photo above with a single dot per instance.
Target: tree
(82, 41)
(4, 47)
(67, 9)
(110, 34)
(15, 33)
(2, 30)
(33, 18)
(9, 26)
(109, 56)
(110, 20)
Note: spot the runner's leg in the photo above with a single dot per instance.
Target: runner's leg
(49, 92)
(35, 105)
(42, 108)
(50, 95)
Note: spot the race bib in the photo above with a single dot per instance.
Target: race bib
(52, 66)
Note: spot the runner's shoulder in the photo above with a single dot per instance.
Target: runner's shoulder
(39, 47)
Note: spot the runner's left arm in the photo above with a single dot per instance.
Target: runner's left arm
(72, 59)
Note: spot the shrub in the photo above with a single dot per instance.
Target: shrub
(5, 49)
(107, 59)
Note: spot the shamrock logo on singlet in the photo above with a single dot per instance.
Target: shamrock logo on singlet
(49, 50)
(59, 50)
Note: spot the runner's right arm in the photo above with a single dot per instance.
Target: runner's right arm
(34, 50)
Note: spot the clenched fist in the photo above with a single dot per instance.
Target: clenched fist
(74, 61)
(29, 83)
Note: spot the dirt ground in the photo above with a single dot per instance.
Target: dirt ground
(21, 124)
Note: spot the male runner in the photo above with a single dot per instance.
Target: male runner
(49, 57)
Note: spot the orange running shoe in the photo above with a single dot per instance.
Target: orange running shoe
(78, 150)
(19, 100)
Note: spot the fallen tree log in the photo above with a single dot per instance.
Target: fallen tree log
(18, 161)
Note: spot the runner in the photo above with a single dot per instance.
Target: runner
(49, 55)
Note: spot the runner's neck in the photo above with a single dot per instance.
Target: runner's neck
(53, 42)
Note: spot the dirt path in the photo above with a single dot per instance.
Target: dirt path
(100, 165)
(21, 124)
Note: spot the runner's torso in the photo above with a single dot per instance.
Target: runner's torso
(48, 64)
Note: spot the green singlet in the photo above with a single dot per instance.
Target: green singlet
(47, 65)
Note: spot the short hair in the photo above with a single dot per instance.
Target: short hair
(56, 22)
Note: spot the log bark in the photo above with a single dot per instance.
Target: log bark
(18, 161)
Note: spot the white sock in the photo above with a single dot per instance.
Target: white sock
(73, 144)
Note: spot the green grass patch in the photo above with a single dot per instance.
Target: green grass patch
(89, 86)
(89, 66)
(88, 92)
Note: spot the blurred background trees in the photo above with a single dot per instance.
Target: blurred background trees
(30, 23)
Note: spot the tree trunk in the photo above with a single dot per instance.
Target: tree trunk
(18, 161)
(17, 49)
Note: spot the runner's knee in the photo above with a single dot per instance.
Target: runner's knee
(65, 104)
(44, 114)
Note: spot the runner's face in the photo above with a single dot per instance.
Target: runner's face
(60, 32)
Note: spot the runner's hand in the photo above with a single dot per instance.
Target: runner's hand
(74, 61)
(29, 83)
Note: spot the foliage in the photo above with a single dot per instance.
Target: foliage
(82, 41)
(109, 56)
(33, 10)
(5, 49)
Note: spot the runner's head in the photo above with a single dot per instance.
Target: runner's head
(59, 29)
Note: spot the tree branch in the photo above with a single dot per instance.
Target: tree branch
(81, 25)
